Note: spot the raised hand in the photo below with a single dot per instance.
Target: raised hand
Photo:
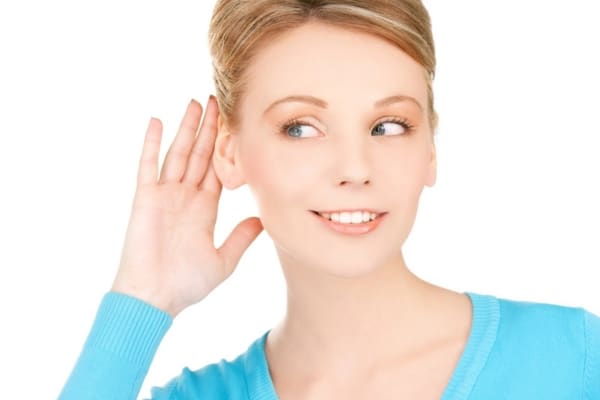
(169, 259)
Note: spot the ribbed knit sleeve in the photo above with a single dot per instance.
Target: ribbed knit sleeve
(591, 386)
(118, 351)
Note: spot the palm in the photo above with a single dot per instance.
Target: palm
(169, 257)
(172, 233)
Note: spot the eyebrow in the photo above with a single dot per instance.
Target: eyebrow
(323, 104)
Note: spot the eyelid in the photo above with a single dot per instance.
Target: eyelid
(396, 119)
(303, 120)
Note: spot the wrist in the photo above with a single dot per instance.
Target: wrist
(151, 297)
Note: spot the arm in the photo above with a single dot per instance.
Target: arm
(168, 261)
(118, 351)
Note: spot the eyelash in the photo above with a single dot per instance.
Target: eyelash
(282, 128)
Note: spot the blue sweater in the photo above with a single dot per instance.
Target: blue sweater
(516, 350)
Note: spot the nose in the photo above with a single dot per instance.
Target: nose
(352, 161)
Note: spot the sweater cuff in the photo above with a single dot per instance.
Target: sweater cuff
(128, 328)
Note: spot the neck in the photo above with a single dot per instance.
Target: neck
(340, 324)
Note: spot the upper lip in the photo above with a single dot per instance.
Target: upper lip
(350, 210)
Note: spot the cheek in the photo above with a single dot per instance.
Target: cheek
(405, 171)
(280, 181)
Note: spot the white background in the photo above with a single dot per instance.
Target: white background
(514, 212)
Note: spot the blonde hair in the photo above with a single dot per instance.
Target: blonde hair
(238, 27)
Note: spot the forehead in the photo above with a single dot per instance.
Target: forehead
(333, 63)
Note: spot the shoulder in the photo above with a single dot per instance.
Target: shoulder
(592, 361)
(225, 379)
(220, 380)
(533, 318)
(533, 324)
(546, 345)
(544, 330)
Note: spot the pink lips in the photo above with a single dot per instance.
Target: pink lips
(352, 229)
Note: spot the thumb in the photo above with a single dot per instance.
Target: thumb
(238, 241)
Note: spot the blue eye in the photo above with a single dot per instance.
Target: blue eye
(402, 128)
(390, 127)
(293, 128)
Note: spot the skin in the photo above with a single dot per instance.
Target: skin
(355, 313)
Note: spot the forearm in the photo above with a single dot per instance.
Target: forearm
(118, 351)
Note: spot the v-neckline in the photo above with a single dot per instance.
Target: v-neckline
(484, 326)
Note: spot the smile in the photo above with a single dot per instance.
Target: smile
(355, 223)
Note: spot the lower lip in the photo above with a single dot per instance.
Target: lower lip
(352, 229)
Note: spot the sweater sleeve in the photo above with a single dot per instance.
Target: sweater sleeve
(118, 351)
(591, 386)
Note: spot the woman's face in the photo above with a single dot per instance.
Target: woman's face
(346, 147)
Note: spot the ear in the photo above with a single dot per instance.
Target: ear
(432, 167)
(225, 160)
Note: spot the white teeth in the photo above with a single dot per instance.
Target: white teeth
(356, 217)
(346, 218)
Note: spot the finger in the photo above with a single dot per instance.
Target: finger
(211, 181)
(148, 167)
(238, 241)
(203, 147)
(179, 151)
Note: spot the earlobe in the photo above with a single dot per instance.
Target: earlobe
(225, 161)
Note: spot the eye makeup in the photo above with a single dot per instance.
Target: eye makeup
(284, 127)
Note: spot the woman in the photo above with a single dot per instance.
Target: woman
(325, 109)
